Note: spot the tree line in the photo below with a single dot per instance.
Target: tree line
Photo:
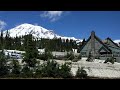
(19, 43)
(30, 67)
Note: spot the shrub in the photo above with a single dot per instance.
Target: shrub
(107, 60)
(50, 69)
(15, 66)
(42, 57)
(81, 73)
(65, 71)
(26, 72)
(112, 60)
(38, 72)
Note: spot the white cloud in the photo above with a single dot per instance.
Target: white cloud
(52, 15)
(2, 25)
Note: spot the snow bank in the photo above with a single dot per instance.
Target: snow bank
(95, 69)
(98, 68)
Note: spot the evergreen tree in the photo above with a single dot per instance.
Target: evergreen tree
(71, 44)
(17, 43)
(30, 56)
(16, 68)
(51, 69)
(83, 42)
(63, 45)
(65, 71)
(4, 69)
(67, 45)
(31, 52)
(6, 40)
(26, 72)
(1, 41)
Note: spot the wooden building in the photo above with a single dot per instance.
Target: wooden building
(98, 48)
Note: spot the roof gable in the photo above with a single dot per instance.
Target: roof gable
(102, 49)
(111, 43)
(100, 42)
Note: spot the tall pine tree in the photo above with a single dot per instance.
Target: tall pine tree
(31, 52)
(4, 69)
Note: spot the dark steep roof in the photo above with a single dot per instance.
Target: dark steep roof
(100, 41)
(112, 41)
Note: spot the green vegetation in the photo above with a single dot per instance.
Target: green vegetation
(112, 60)
(64, 71)
(30, 67)
(50, 69)
(31, 52)
(4, 68)
(15, 68)
(81, 73)
(53, 69)
(20, 43)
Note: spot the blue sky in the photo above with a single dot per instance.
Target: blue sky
(76, 24)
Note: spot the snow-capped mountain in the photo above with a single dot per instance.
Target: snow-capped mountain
(36, 31)
(117, 41)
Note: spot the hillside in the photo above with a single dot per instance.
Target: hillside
(36, 31)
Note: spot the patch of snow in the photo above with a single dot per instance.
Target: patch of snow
(96, 68)
(116, 41)
(37, 31)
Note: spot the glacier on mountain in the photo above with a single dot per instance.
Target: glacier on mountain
(36, 31)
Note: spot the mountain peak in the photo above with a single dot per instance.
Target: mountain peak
(26, 24)
(36, 31)
(30, 26)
